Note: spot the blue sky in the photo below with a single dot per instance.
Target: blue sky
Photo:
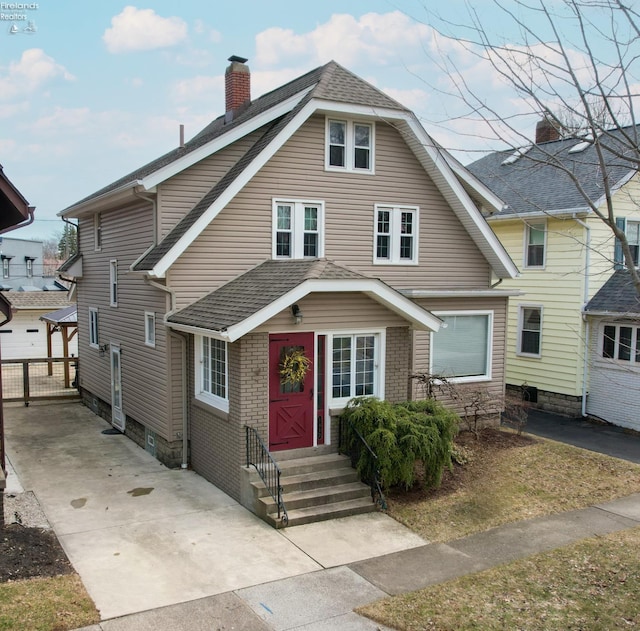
(91, 90)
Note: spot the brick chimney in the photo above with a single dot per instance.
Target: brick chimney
(237, 85)
(546, 131)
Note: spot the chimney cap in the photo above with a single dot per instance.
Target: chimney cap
(238, 59)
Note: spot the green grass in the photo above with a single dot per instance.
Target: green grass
(593, 585)
(46, 604)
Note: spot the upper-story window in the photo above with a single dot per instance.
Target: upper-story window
(349, 146)
(94, 340)
(298, 229)
(396, 235)
(536, 236)
(113, 283)
(5, 266)
(149, 328)
(631, 230)
(97, 231)
(530, 330)
(28, 260)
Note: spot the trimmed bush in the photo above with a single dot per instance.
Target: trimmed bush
(400, 435)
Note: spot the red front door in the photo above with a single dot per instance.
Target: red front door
(290, 403)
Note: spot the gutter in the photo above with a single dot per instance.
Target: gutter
(30, 210)
(569, 213)
(460, 293)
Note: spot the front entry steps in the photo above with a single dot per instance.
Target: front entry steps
(316, 488)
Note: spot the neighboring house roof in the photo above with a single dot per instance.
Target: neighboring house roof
(279, 114)
(537, 181)
(40, 300)
(616, 297)
(257, 295)
(14, 208)
(66, 315)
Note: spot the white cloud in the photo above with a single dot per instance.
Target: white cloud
(414, 98)
(34, 70)
(143, 29)
(200, 87)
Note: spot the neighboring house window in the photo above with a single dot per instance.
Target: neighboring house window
(462, 350)
(355, 366)
(113, 283)
(93, 328)
(212, 372)
(149, 328)
(5, 267)
(621, 342)
(29, 264)
(298, 229)
(530, 330)
(396, 235)
(536, 234)
(349, 146)
(97, 231)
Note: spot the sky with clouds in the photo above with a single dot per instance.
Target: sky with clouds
(92, 90)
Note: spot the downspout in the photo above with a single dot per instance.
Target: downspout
(154, 213)
(183, 359)
(587, 332)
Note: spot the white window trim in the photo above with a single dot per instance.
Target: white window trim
(97, 232)
(379, 364)
(6, 267)
(213, 400)
(150, 331)
(113, 282)
(29, 266)
(521, 307)
(614, 361)
(94, 342)
(350, 146)
(525, 255)
(489, 367)
(396, 220)
(297, 227)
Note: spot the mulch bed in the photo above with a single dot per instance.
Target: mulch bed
(30, 552)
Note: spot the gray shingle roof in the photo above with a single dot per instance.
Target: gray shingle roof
(617, 295)
(534, 183)
(67, 315)
(38, 299)
(247, 294)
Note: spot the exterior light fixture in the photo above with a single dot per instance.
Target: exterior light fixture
(296, 313)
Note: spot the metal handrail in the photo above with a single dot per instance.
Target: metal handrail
(259, 457)
(375, 483)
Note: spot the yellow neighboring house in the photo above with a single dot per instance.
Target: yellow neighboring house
(565, 254)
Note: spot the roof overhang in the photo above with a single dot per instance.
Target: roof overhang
(612, 314)
(559, 213)
(461, 293)
(377, 290)
(14, 208)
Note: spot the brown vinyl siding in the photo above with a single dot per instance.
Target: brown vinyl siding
(421, 342)
(334, 311)
(447, 255)
(180, 193)
(126, 233)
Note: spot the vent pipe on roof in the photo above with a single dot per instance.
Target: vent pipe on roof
(181, 136)
(237, 86)
(546, 131)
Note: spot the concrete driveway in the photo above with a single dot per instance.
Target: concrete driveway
(143, 536)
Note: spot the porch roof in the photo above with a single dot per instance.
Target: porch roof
(251, 299)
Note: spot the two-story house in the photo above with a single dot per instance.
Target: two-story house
(318, 220)
(565, 253)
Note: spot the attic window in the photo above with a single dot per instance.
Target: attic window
(349, 146)
(516, 155)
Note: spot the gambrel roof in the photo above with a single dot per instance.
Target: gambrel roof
(252, 298)
(279, 114)
(539, 178)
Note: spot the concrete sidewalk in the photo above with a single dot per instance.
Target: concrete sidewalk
(164, 550)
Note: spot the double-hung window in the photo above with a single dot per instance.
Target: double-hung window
(633, 237)
(113, 283)
(349, 146)
(536, 235)
(298, 229)
(396, 235)
(28, 260)
(461, 349)
(355, 366)
(5, 266)
(530, 330)
(97, 232)
(212, 372)
(621, 342)
(94, 340)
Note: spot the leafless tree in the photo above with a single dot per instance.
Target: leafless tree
(576, 63)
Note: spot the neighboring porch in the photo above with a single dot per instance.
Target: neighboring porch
(282, 349)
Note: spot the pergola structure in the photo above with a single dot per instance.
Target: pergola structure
(64, 321)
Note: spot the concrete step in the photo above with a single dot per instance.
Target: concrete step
(305, 481)
(319, 496)
(325, 512)
(313, 463)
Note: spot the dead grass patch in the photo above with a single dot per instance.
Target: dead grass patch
(509, 478)
(593, 584)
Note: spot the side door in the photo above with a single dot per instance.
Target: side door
(117, 414)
